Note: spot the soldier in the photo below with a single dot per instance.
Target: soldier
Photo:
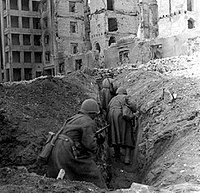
(121, 131)
(75, 148)
(107, 92)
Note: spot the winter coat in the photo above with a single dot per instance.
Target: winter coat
(106, 94)
(79, 134)
(121, 131)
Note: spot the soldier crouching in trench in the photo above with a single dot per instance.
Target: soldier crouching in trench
(76, 145)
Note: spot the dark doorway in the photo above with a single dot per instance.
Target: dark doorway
(78, 64)
(111, 40)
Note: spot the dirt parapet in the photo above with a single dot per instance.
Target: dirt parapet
(30, 109)
(169, 117)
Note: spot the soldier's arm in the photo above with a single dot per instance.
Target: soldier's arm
(89, 138)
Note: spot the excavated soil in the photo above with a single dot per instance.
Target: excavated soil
(167, 153)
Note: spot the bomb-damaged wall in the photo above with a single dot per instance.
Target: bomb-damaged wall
(131, 51)
(80, 62)
(178, 16)
(187, 43)
(123, 22)
(118, 5)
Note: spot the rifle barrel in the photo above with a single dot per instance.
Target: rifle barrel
(100, 130)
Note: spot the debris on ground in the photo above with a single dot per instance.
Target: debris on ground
(167, 94)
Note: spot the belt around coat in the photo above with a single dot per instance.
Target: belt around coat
(68, 139)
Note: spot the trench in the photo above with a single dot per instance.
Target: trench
(117, 174)
(123, 175)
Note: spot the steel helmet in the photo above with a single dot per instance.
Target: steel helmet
(121, 90)
(90, 106)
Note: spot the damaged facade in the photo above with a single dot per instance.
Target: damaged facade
(63, 33)
(111, 20)
(179, 26)
(21, 45)
(166, 28)
(138, 48)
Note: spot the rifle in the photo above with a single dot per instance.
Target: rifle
(102, 129)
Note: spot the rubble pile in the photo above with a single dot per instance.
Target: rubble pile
(176, 64)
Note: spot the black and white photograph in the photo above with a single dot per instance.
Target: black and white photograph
(99, 96)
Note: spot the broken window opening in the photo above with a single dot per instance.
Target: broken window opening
(37, 40)
(27, 57)
(110, 5)
(35, 5)
(124, 56)
(36, 23)
(15, 39)
(14, 4)
(4, 4)
(191, 23)
(111, 40)
(25, 22)
(190, 5)
(78, 64)
(25, 5)
(17, 74)
(112, 24)
(14, 21)
(72, 6)
(74, 48)
(16, 56)
(27, 73)
(47, 56)
(73, 27)
(97, 47)
(156, 51)
(38, 57)
(26, 40)
(5, 22)
(61, 68)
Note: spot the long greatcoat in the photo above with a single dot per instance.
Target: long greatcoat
(105, 93)
(82, 168)
(121, 131)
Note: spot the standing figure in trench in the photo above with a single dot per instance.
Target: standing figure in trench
(120, 134)
(76, 147)
(107, 92)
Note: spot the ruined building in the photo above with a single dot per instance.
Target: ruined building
(179, 26)
(21, 45)
(178, 16)
(109, 21)
(138, 48)
(63, 33)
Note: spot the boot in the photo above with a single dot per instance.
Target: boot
(127, 155)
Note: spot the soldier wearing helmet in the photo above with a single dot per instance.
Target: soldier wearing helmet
(120, 134)
(74, 149)
(107, 92)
